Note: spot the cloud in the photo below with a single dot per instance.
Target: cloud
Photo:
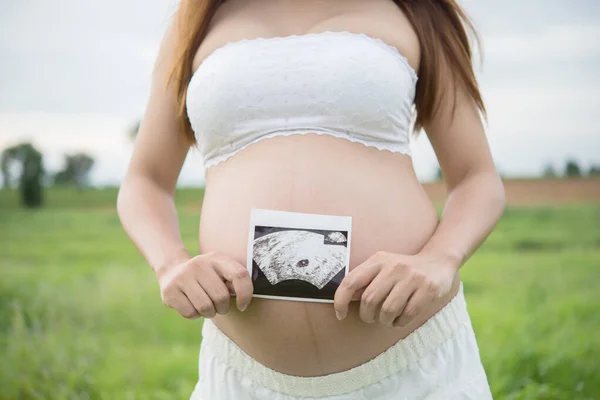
(550, 44)
(79, 57)
(553, 110)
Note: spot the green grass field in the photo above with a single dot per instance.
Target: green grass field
(81, 316)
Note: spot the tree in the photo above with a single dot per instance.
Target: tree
(594, 170)
(76, 170)
(133, 131)
(572, 169)
(549, 171)
(30, 163)
(438, 174)
(7, 158)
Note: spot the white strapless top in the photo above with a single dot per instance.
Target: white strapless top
(345, 84)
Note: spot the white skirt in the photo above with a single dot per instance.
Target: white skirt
(440, 360)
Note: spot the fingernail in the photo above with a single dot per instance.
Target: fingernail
(339, 315)
(243, 307)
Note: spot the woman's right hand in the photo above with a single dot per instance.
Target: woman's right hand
(199, 287)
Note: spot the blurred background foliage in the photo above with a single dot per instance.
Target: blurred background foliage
(81, 316)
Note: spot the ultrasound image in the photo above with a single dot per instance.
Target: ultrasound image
(300, 254)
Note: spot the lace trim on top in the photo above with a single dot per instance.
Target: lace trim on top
(402, 148)
(377, 41)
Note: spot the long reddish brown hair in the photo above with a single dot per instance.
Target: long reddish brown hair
(442, 27)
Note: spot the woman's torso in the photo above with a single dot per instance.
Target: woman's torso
(317, 174)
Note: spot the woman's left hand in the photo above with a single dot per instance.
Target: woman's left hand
(395, 288)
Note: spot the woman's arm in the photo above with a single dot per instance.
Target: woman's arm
(194, 286)
(474, 206)
(146, 198)
(476, 198)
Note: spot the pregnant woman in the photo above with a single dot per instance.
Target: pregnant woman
(306, 106)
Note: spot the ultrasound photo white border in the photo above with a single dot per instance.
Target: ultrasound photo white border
(294, 220)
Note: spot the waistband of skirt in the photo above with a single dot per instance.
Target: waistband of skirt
(417, 345)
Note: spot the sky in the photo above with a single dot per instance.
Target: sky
(75, 76)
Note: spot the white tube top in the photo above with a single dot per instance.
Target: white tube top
(345, 84)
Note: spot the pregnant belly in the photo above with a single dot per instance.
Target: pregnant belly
(318, 175)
